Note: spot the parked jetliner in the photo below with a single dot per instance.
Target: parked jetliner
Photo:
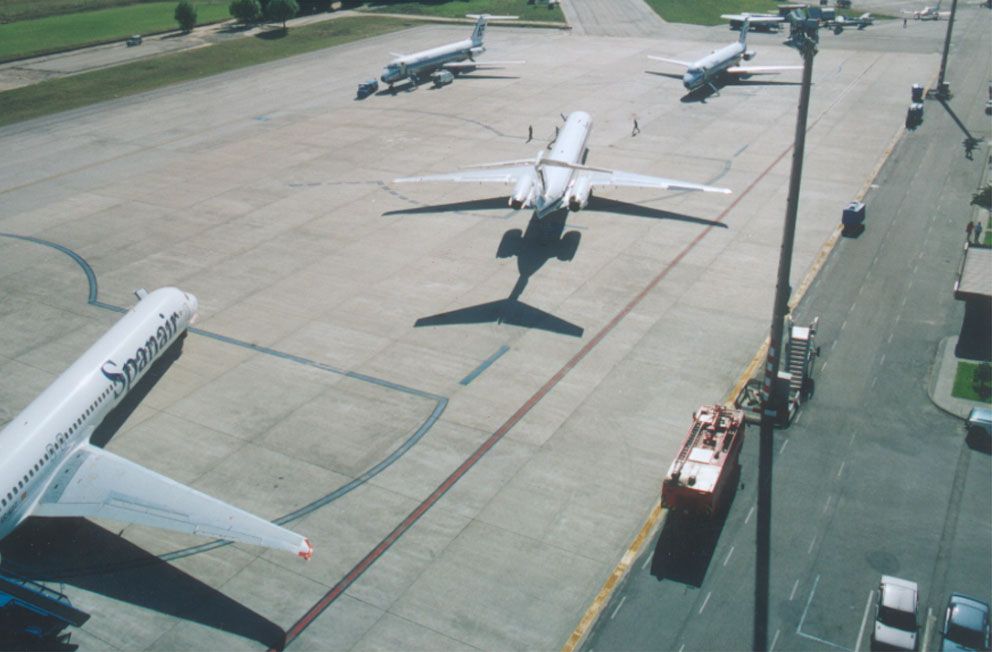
(452, 57)
(769, 22)
(723, 62)
(838, 24)
(50, 468)
(930, 12)
(559, 178)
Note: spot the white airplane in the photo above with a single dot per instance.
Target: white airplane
(756, 21)
(723, 62)
(559, 178)
(451, 57)
(930, 12)
(50, 468)
(838, 24)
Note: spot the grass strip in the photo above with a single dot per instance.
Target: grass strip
(446, 9)
(969, 384)
(28, 38)
(73, 92)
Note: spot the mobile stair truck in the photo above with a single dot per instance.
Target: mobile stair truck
(702, 477)
(32, 616)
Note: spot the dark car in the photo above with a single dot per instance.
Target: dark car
(366, 88)
(134, 40)
(966, 624)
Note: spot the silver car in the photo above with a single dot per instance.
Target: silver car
(896, 623)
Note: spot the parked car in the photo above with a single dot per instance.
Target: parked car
(133, 40)
(896, 624)
(979, 428)
(966, 624)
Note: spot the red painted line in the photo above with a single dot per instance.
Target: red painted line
(493, 439)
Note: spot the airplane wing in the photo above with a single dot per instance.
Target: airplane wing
(759, 70)
(686, 64)
(505, 174)
(95, 482)
(475, 65)
(616, 178)
(754, 20)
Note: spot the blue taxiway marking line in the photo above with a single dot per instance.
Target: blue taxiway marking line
(485, 365)
(441, 402)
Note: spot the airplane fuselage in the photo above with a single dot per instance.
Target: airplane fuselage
(40, 441)
(427, 61)
(569, 147)
(712, 65)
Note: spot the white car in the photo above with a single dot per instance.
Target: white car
(895, 614)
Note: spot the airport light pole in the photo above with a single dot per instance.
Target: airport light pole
(942, 91)
(804, 36)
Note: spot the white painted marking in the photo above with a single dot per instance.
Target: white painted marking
(864, 620)
(928, 629)
(844, 325)
(889, 340)
(622, 600)
(854, 434)
(749, 512)
(784, 444)
(705, 600)
(647, 561)
(792, 594)
(809, 550)
(874, 380)
(855, 304)
(826, 505)
(729, 554)
(823, 367)
(682, 648)
(774, 640)
(832, 345)
(841, 469)
(882, 361)
(808, 601)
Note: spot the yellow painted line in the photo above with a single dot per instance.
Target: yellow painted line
(658, 514)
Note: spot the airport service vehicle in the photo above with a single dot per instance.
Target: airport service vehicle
(700, 480)
(366, 88)
(32, 616)
(442, 77)
(721, 63)
(966, 625)
(896, 623)
(48, 466)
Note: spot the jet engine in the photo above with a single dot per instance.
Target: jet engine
(749, 54)
(524, 192)
(578, 194)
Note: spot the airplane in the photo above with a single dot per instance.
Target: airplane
(49, 468)
(723, 62)
(420, 65)
(560, 178)
(930, 12)
(839, 23)
(768, 22)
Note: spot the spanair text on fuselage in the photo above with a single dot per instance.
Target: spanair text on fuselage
(63, 417)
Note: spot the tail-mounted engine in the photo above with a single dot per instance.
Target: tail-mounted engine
(525, 191)
(578, 195)
(749, 54)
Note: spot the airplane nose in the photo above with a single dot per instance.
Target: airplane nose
(193, 304)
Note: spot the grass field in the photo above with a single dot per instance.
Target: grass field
(965, 383)
(458, 8)
(147, 74)
(57, 33)
(11, 10)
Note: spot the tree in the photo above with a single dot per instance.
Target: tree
(245, 11)
(282, 10)
(186, 16)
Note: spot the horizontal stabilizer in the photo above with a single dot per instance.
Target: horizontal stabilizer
(96, 483)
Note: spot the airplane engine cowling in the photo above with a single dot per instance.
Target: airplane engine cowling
(749, 54)
(578, 196)
(523, 192)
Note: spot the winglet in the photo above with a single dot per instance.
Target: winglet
(306, 552)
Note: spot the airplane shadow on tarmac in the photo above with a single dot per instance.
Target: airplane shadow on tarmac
(543, 240)
(703, 93)
(80, 553)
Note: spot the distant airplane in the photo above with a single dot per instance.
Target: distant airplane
(50, 468)
(420, 65)
(723, 62)
(838, 24)
(769, 22)
(559, 179)
(930, 12)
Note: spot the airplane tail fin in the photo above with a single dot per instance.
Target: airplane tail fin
(744, 28)
(480, 30)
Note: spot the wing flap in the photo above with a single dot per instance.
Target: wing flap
(96, 483)
(616, 178)
(759, 70)
(499, 174)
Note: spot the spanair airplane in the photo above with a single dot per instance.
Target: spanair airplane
(558, 179)
(50, 468)
(930, 12)
(838, 24)
(723, 62)
(451, 57)
(756, 22)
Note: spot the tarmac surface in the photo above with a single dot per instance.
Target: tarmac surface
(466, 485)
